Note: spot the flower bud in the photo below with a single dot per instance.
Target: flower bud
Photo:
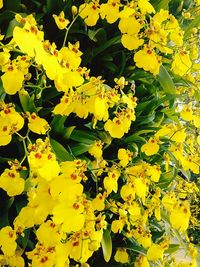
(74, 10)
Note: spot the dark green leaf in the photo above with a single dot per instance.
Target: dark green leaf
(54, 5)
(2, 160)
(61, 153)
(93, 34)
(2, 92)
(83, 137)
(79, 149)
(57, 124)
(134, 138)
(162, 4)
(13, 23)
(194, 23)
(27, 102)
(68, 131)
(14, 5)
(166, 82)
(109, 43)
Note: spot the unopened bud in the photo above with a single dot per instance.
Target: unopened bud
(186, 15)
(74, 10)
(194, 30)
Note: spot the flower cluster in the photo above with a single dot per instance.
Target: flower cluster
(100, 152)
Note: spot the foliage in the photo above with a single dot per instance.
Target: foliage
(99, 133)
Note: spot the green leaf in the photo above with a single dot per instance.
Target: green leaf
(145, 119)
(172, 248)
(68, 131)
(2, 160)
(61, 153)
(2, 92)
(161, 4)
(105, 137)
(13, 23)
(14, 5)
(166, 81)
(122, 63)
(175, 6)
(134, 138)
(112, 67)
(194, 23)
(106, 244)
(83, 137)
(115, 40)
(79, 149)
(27, 102)
(57, 124)
(5, 211)
(135, 247)
(93, 34)
(54, 5)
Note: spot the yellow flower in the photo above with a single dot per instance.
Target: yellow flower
(115, 127)
(154, 172)
(67, 79)
(181, 63)
(179, 136)
(98, 202)
(90, 12)
(121, 123)
(169, 200)
(151, 147)
(96, 149)
(1, 4)
(130, 28)
(11, 182)
(141, 188)
(71, 55)
(131, 42)
(42, 161)
(70, 215)
(187, 113)
(4, 57)
(12, 261)
(37, 124)
(48, 234)
(141, 261)
(145, 7)
(124, 156)
(134, 211)
(148, 60)
(180, 216)
(7, 241)
(10, 122)
(196, 121)
(121, 255)
(121, 82)
(60, 20)
(117, 226)
(29, 40)
(111, 181)
(143, 237)
(12, 80)
(5, 131)
(155, 252)
(129, 25)
(101, 108)
(127, 192)
(110, 10)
